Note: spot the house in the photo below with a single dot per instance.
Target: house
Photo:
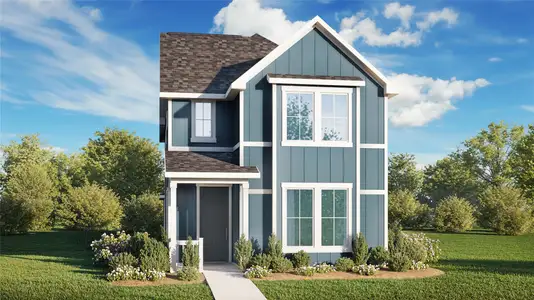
(263, 138)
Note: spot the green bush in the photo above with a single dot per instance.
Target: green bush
(360, 250)
(188, 274)
(305, 271)
(424, 217)
(431, 246)
(344, 264)
(301, 259)
(402, 207)
(190, 255)
(454, 214)
(91, 207)
(122, 259)
(27, 200)
(274, 247)
(415, 250)
(281, 265)
(243, 252)
(137, 242)
(144, 214)
(378, 256)
(506, 210)
(262, 260)
(398, 261)
(154, 256)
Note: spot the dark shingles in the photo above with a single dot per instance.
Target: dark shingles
(181, 161)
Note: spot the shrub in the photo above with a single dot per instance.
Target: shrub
(418, 265)
(402, 207)
(27, 200)
(305, 271)
(323, 268)
(257, 272)
(243, 252)
(414, 249)
(154, 256)
(131, 273)
(344, 264)
(281, 265)
(431, 246)
(398, 261)
(367, 270)
(506, 210)
(188, 274)
(261, 259)
(144, 214)
(110, 245)
(274, 247)
(454, 214)
(424, 217)
(378, 256)
(301, 259)
(190, 256)
(91, 207)
(137, 242)
(360, 251)
(122, 259)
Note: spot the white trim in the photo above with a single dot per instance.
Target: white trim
(241, 215)
(213, 123)
(171, 95)
(274, 159)
(229, 228)
(316, 217)
(373, 192)
(241, 127)
(358, 162)
(315, 81)
(317, 140)
(386, 163)
(198, 210)
(203, 149)
(373, 146)
(260, 191)
(257, 144)
(211, 175)
(169, 124)
(236, 146)
(245, 209)
(207, 182)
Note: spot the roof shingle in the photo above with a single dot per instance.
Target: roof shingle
(182, 161)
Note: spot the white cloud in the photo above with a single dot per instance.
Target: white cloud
(84, 68)
(425, 159)
(521, 41)
(529, 108)
(55, 149)
(247, 17)
(445, 15)
(422, 99)
(325, 1)
(402, 12)
(494, 59)
(94, 13)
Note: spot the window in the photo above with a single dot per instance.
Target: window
(316, 217)
(203, 124)
(316, 116)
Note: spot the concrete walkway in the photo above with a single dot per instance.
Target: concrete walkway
(227, 282)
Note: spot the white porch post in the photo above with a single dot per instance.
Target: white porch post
(243, 209)
(171, 225)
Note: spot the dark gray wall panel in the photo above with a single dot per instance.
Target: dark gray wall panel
(187, 211)
(260, 157)
(326, 257)
(372, 169)
(235, 216)
(372, 219)
(260, 220)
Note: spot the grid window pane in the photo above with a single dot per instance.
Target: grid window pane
(293, 232)
(341, 204)
(327, 207)
(293, 203)
(306, 203)
(333, 217)
(198, 128)
(299, 112)
(299, 217)
(203, 121)
(306, 232)
(327, 230)
(334, 117)
(207, 111)
(340, 231)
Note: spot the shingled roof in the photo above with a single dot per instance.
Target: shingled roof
(182, 161)
(207, 63)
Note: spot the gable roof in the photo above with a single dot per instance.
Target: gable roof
(207, 63)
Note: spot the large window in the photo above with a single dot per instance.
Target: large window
(316, 216)
(203, 123)
(316, 116)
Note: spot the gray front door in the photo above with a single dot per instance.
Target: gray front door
(214, 222)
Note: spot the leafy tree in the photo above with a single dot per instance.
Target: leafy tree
(454, 214)
(402, 207)
(143, 213)
(522, 162)
(27, 200)
(403, 174)
(127, 164)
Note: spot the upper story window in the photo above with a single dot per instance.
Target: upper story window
(203, 123)
(316, 116)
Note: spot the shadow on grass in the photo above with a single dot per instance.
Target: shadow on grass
(493, 266)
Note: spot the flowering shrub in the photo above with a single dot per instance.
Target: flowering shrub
(418, 265)
(367, 270)
(188, 274)
(131, 273)
(109, 245)
(257, 272)
(344, 264)
(431, 246)
(306, 271)
(324, 268)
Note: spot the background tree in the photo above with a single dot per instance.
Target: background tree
(145, 214)
(522, 163)
(126, 163)
(403, 174)
(402, 207)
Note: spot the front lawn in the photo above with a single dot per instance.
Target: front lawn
(57, 265)
(477, 265)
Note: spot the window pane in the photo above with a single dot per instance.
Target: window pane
(306, 206)
(306, 128)
(329, 130)
(327, 105)
(292, 128)
(341, 106)
(292, 203)
(292, 105)
(292, 232)
(327, 232)
(207, 128)
(198, 110)
(306, 232)
(198, 128)
(341, 203)
(342, 128)
(327, 205)
(340, 231)
(299, 116)
(207, 111)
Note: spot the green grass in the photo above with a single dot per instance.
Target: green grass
(477, 265)
(57, 265)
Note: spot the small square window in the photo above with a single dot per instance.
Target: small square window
(203, 124)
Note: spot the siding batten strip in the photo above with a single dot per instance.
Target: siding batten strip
(274, 185)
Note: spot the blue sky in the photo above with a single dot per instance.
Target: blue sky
(69, 68)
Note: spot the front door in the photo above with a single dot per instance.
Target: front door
(214, 222)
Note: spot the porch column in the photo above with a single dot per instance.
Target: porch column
(243, 209)
(171, 225)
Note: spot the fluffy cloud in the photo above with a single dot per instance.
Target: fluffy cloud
(94, 13)
(529, 108)
(422, 99)
(358, 26)
(83, 67)
(494, 59)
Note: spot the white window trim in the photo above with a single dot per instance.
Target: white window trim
(317, 141)
(213, 138)
(316, 227)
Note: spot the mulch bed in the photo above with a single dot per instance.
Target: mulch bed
(382, 274)
(170, 279)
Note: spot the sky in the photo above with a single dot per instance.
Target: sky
(69, 68)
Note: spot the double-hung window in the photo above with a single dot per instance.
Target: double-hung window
(316, 116)
(316, 217)
(203, 123)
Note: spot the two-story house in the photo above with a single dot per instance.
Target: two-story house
(263, 138)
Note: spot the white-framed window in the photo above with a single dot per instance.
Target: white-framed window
(316, 217)
(203, 122)
(316, 116)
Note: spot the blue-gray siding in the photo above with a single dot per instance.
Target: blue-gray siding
(235, 215)
(372, 169)
(260, 220)
(260, 157)
(372, 219)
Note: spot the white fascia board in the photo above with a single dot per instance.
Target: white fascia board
(170, 95)
(211, 175)
(320, 82)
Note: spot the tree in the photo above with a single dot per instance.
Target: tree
(144, 213)
(27, 200)
(403, 174)
(402, 207)
(126, 163)
(522, 162)
(454, 214)
(487, 154)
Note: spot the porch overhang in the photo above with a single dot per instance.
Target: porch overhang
(212, 175)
